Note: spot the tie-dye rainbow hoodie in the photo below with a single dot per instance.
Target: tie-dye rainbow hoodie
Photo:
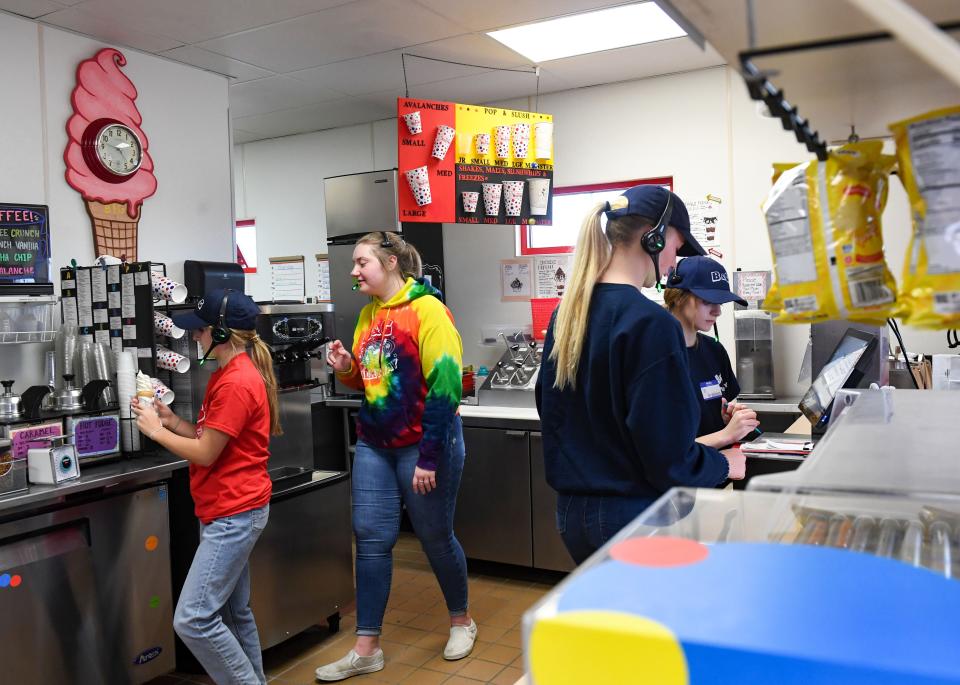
(407, 360)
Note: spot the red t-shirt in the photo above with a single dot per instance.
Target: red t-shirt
(236, 404)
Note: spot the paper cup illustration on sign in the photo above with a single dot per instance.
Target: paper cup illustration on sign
(419, 180)
(491, 198)
(483, 143)
(501, 139)
(412, 120)
(470, 200)
(168, 289)
(539, 195)
(521, 140)
(163, 325)
(513, 197)
(171, 361)
(543, 139)
(442, 142)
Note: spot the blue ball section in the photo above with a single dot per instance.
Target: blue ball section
(4, 580)
(791, 614)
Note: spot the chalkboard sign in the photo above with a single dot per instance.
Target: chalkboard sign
(24, 244)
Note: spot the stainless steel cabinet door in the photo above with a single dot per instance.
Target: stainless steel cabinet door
(549, 552)
(493, 509)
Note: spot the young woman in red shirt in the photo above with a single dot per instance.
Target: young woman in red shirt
(227, 449)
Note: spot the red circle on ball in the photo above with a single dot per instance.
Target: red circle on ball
(659, 551)
(15, 581)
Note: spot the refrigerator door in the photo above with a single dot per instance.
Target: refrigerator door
(348, 301)
(358, 203)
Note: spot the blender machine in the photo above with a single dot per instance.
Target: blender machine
(753, 335)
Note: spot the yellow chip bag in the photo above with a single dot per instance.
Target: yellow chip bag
(824, 224)
(928, 151)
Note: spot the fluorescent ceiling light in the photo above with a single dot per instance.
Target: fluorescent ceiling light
(579, 34)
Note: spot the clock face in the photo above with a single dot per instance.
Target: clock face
(118, 149)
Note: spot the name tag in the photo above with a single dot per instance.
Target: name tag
(710, 390)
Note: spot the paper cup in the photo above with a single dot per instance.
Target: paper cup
(171, 361)
(521, 140)
(539, 195)
(145, 401)
(501, 140)
(464, 144)
(543, 140)
(163, 325)
(482, 141)
(470, 200)
(513, 197)
(419, 180)
(161, 392)
(167, 289)
(412, 120)
(491, 198)
(442, 142)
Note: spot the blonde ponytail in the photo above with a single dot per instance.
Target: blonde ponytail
(591, 258)
(262, 359)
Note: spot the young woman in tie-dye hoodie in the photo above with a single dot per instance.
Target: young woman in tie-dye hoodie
(406, 359)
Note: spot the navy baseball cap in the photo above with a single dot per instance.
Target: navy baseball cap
(704, 277)
(240, 313)
(649, 201)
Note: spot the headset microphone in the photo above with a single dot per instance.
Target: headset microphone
(655, 240)
(221, 332)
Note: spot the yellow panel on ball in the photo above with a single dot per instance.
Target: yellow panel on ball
(580, 647)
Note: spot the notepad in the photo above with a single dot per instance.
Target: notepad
(780, 446)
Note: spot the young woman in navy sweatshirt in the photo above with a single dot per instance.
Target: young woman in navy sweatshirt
(618, 413)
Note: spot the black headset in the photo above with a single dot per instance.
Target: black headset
(655, 240)
(221, 332)
(386, 243)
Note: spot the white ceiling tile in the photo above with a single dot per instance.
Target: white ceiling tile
(275, 93)
(236, 70)
(487, 15)
(638, 61)
(192, 21)
(326, 115)
(363, 27)
(487, 87)
(75, 19)
(240, 136)
(31, 8)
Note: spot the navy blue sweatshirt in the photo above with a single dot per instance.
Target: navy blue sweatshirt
(629, 427)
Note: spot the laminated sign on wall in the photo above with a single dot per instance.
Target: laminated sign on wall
(474, 165)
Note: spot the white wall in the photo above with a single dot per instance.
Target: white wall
(185, 117)
(699, 127)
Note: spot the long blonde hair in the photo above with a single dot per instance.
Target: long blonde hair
(592, 257)
(408, 259)
(262, 359)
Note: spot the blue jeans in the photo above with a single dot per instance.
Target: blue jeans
(213, 616)
(382, 480)
(587, 522)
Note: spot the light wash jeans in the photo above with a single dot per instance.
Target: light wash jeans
(382, 479)
(213, 616)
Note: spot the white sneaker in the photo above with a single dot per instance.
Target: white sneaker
(461, 641)
(350, 665)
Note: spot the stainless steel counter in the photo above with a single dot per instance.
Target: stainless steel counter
(781, 405)
(125, 471)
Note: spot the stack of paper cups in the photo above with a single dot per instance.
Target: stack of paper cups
(513, 197)
(501, 140)
(167, 289)
(521, 140)
(491, 198)
(127, 388)
(162, 392)
(543, 139)
(163, 325)
(171, 361)
(419, 181)
(442, 142)
(412, 119)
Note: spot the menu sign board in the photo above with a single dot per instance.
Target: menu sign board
(24, 243)
(474, 165)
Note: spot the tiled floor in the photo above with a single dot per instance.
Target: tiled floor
(415, 630)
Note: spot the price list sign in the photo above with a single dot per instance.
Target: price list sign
(471, 164)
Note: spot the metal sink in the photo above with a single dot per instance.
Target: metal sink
(288, 476)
